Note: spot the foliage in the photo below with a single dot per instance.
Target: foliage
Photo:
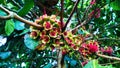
(99, 31)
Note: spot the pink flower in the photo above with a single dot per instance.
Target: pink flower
(93, 2)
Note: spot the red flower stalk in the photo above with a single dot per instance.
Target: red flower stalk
(47, 25)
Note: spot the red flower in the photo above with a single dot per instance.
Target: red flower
(42, 34)
(93, 47)
(46, 39)
(68, 40)
(57, 41)
(93, 2)
(65, 33)
(34, 34)
(53, 34)
(47, 25)
(107, 50)
(64, 51)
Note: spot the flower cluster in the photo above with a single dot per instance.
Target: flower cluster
(89, 48)
(52, 36)
(107, 50)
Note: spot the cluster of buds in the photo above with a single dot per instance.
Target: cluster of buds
(52, 36)
(107, 50)
(50, 32)
(89, 48)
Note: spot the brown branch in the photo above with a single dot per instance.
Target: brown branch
(14, 15)
(108, 57)
(59, 58)
(111, 63)
(41, 5)
(108, 39)
(83, 23)
(71, 14)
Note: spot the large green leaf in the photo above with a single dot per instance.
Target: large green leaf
(19, 25)
(4, 55)
(29, 42)
(94, 64)
(2, 1)
(115, 5)
(2, 13)
(9, 27)
(26, 8)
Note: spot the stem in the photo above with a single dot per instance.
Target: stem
(59, 58)
(14, 15)
(71, 14)
(108, 57)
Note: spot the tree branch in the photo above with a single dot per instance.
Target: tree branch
(73, 10)
(108, 57)
(14, 15)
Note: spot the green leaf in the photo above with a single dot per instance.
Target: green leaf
(2, 13)
(2, 1)
(26, 8)
(4, 55)
(115, 5)
(48, 66)
(9, 27)
(94, 64)
(19, 25)
(29, 42)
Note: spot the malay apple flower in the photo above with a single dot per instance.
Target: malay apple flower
(47, 25)
(34, 34)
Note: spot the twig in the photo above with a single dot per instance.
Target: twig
(111, 63)
(14, 15)
(75, 6)
(108, 39)
(79, 21)
(108, 57)
(83, 23)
